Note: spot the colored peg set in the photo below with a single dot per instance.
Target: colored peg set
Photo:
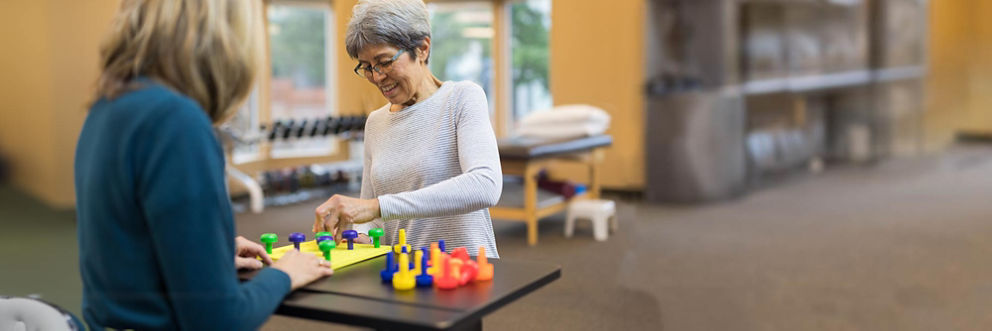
(324, 240)
(406, 268)
(435, 268)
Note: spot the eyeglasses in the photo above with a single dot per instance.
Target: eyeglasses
(382, 68)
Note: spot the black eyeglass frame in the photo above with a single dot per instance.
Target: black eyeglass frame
(384, 65)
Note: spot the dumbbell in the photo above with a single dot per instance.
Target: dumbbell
(317, 127)
(301, 129)
(333, 126)
(361, 122)
(276, 126)
(328, 126)
(359, 125)
(346, 124)
(288, 129)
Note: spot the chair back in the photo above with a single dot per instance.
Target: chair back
(19, 314)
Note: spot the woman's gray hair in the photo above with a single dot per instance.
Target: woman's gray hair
(400, 23)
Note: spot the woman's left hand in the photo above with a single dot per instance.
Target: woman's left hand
(247, 252)
(338, 211)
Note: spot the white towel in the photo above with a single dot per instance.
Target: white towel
(563, 122)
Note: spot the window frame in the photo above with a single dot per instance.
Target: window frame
(509, 120)
(261, 158)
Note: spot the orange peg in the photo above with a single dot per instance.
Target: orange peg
(486, 269)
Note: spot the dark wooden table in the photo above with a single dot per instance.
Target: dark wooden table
(355, 295)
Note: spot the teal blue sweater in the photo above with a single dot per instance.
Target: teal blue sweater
(156, 231)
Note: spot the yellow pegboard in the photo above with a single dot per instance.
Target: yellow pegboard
(340, 256)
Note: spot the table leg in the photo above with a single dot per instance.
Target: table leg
(595, 167)
(530, 202)
(531, 230)
(475, 325)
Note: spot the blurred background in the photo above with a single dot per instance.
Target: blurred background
(776, 164)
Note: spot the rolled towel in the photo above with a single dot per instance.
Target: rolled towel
(567, 114)
(564, 122)
(562, 131)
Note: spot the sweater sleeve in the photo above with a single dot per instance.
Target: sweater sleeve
(181, 188)
(481, 182)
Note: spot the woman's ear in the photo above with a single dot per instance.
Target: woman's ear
(424, 49)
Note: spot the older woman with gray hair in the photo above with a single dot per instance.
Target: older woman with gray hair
(431, 163)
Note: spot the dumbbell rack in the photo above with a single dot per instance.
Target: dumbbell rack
(278, 146)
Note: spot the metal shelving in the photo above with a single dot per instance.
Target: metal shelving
(812, 83)
(834, 68)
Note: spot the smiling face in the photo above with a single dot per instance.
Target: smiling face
(400, 81)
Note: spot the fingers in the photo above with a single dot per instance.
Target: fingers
(316, 222)
(247, 263)
(337, 234)
(324, 268)
(320, 214)
(248, 249)
(317, 267)
(239, 244)
(262, 254)
(252, 250)
(331, 224)
(303, 268)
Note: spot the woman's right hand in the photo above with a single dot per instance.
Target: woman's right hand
(337, 212)
(302, 268)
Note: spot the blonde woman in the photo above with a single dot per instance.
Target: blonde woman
(157, 246)
(431, 161)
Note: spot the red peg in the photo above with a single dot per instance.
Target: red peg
(446, 281)
(470, 270)
(460, 253)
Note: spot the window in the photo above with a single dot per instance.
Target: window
(461, 38)
(301, 89)
(529, 28)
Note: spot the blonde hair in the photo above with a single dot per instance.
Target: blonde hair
(208, 50)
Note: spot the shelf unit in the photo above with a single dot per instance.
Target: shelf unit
(817, 83)
(845, 74)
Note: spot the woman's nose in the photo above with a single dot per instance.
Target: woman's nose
(377, 76)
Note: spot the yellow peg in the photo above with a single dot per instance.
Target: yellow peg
(402, 242)
(403, 279)
(418, 256)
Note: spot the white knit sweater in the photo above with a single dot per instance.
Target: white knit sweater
(435, 168)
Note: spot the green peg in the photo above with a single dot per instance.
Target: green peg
(321, 234)
(269, 239)
(375, 234)
(326, 246)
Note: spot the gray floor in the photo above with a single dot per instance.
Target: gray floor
(903, 245)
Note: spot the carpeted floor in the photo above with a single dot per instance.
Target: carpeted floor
(902, 245)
